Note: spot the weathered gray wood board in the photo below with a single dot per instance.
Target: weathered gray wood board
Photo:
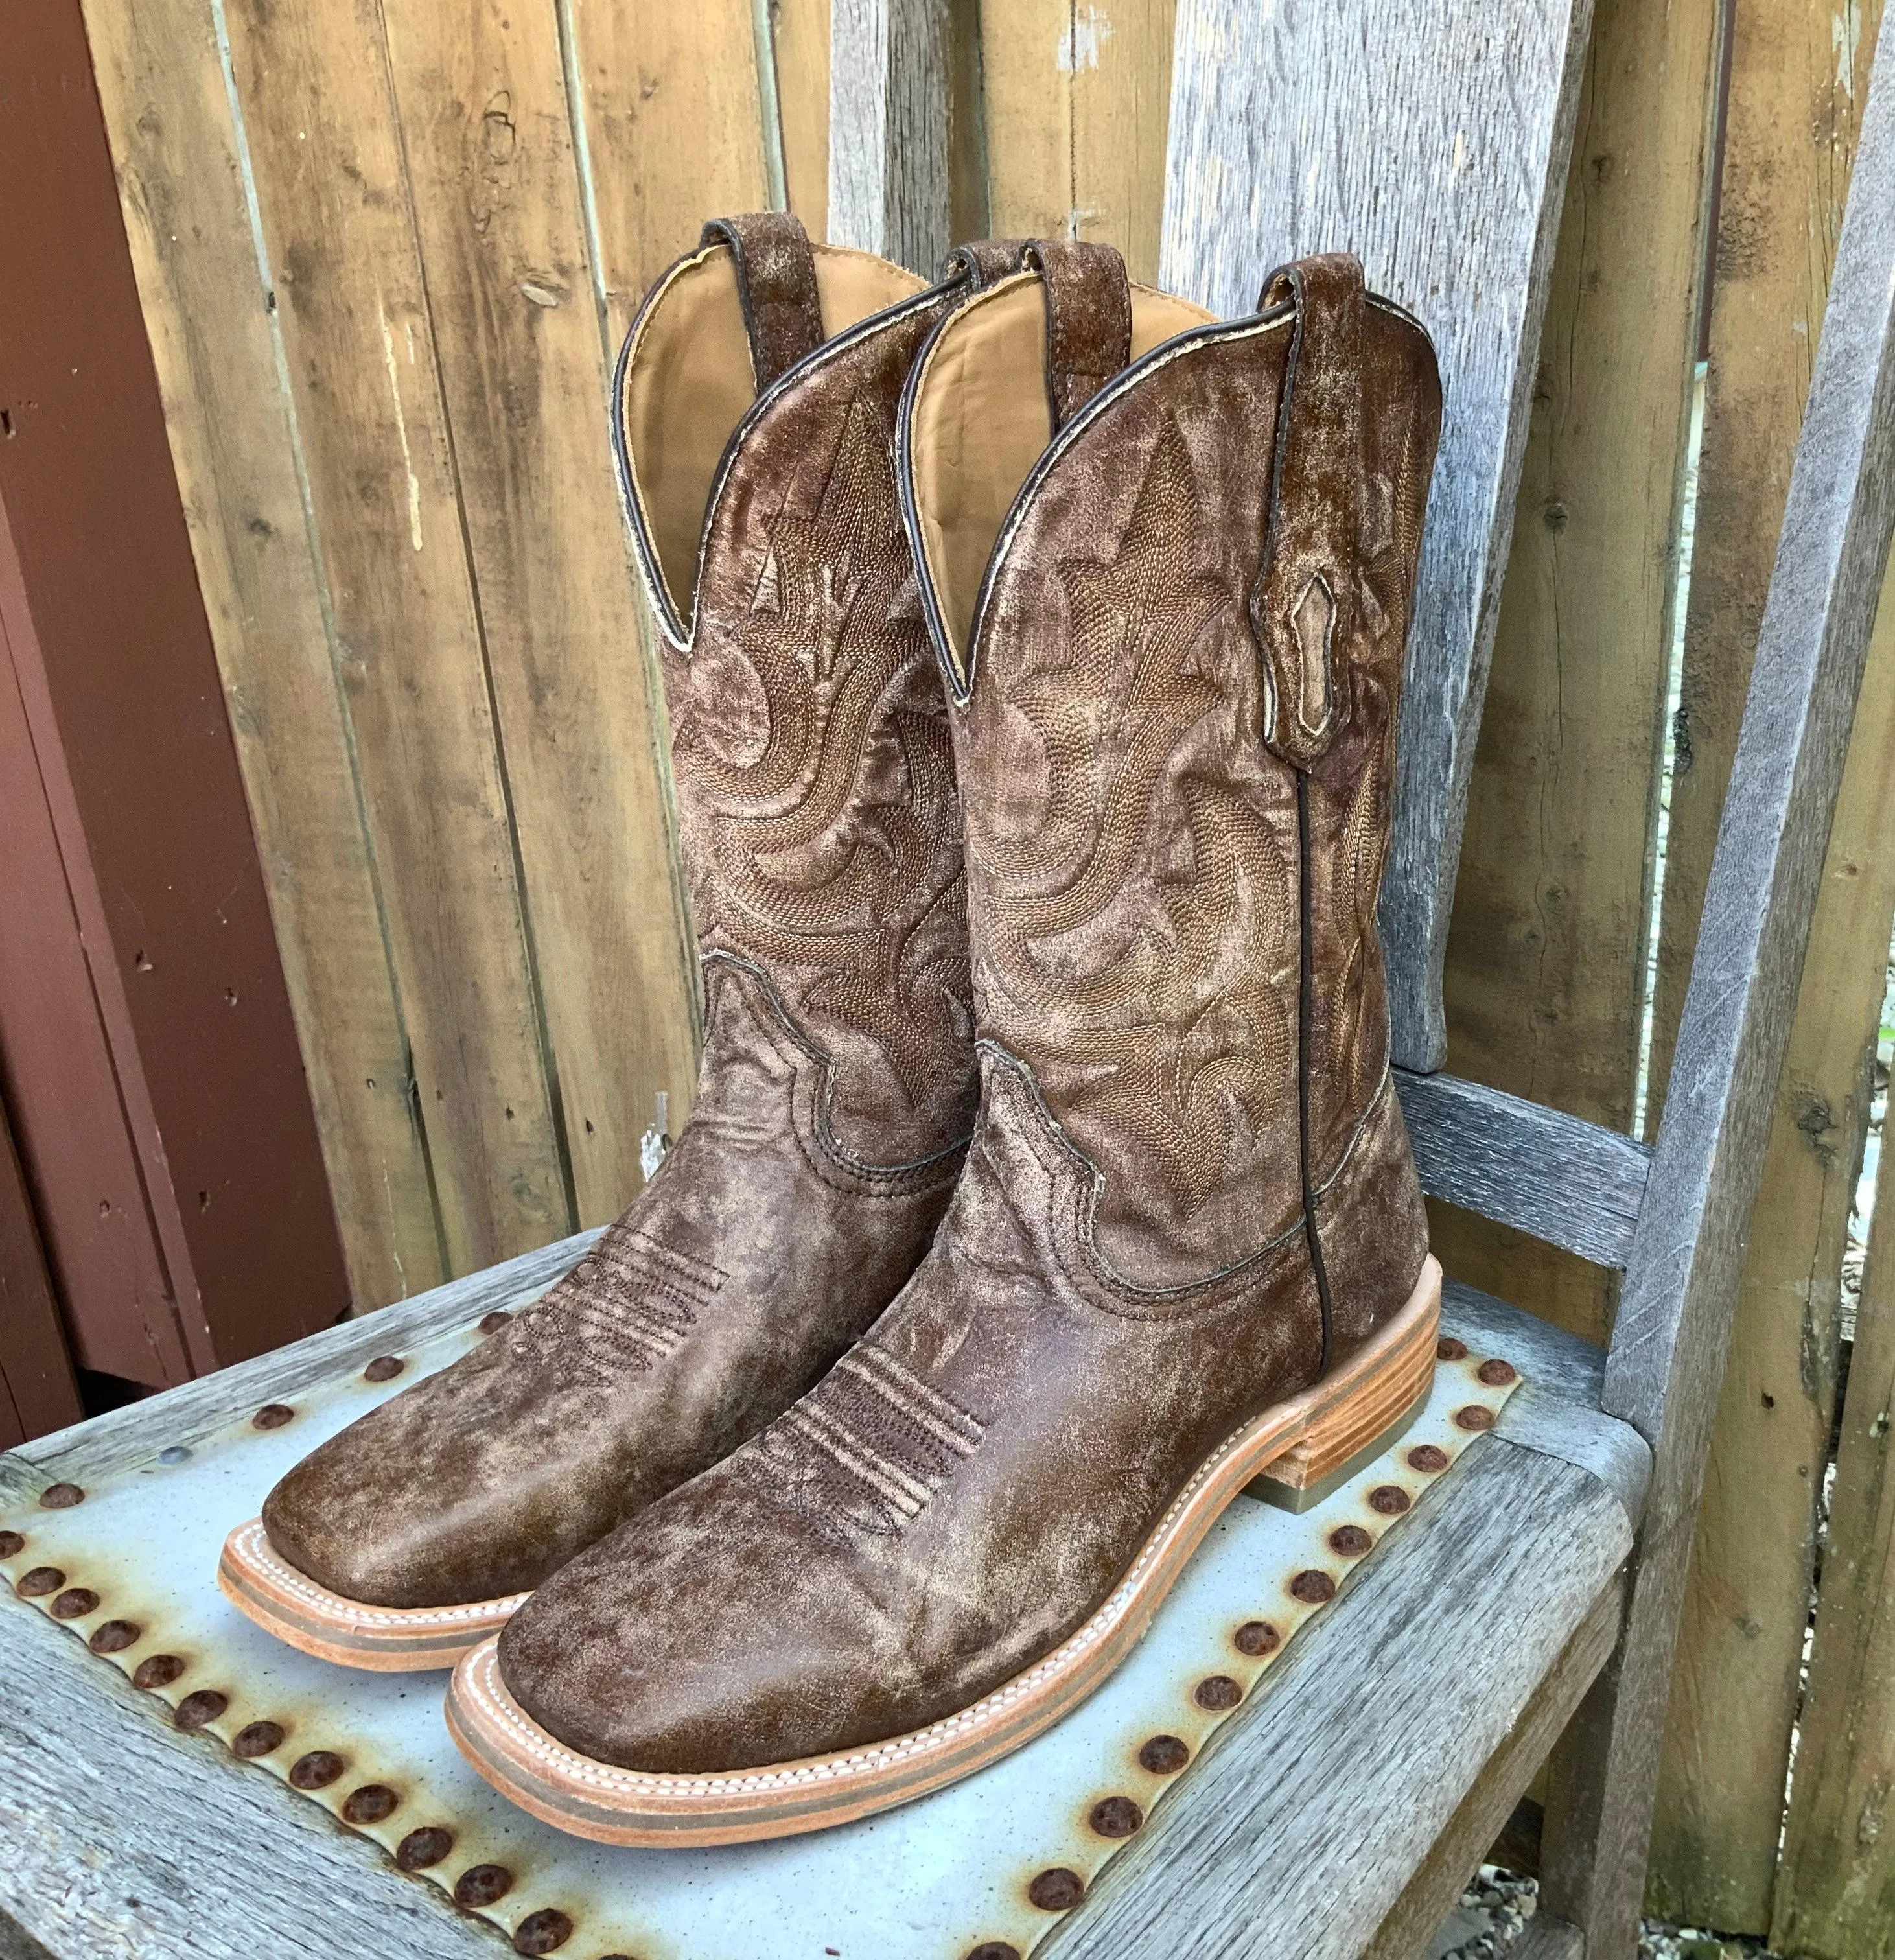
(1431, 139)
(1673, 1327)
(1560, 1178)
(888, 186)
(1430, 1895)
(1308, 1812)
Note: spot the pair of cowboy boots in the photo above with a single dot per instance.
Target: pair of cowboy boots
(1034, 652)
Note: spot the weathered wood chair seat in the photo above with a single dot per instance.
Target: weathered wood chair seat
(1493, 1606)
(1530, 1602)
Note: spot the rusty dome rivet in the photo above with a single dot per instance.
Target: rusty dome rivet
(369, 1804)
(1448, 1349)
(491, 1323)
(272, 1415)
(41, 1580)
(75, 1602)
(158, 1670)
(1057, 1889)
(1164, 1755)
(1312, 1588)
(384, 1368)
(11, 1545)
(481, 1884)
(994, 1950)
(205, 1705)
(1217, 1691)
(1257, 1636)
(1115, 1817)
(257, 1738)
(424, 1847)
(1349, 1542)
(1495, 1373)
(545, 1931)
(114, 1636)
(61, 1497)
(1474, 1416)
(1391, 1500)
(316, 1770)
(1427, 1458)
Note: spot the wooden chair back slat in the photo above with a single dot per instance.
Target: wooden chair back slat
(1675, 1320)
(1665, 1365)
(1538, 1170)
(1433, 139)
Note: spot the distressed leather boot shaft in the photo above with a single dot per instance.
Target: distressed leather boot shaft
(820, 834)
(1171, 599)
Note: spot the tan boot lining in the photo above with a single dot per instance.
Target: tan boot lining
(688, 384)
(980, 421)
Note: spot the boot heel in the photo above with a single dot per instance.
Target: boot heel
(1370, 1412)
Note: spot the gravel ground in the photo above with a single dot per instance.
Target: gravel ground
(1495, 1908)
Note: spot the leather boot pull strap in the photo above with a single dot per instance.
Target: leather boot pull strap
(1088, 320)
(777, 284)
(981, 261)
(1302, 607)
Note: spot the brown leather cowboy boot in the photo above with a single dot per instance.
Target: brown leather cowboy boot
(1188, 1245)
(821, 838)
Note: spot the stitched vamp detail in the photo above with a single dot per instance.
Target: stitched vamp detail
(633, 1302)
(866, 1449)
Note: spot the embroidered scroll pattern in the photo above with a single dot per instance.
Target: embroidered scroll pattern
(1142, 901)
(815, 771)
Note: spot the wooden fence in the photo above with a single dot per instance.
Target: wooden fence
(386, 249)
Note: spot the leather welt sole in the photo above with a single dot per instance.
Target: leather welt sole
(1372, 1393)
(311, 1618)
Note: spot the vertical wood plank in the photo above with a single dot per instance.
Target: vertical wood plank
(1079, 103)
(1673, 1330)
(668, 94)
(333, 190)
(234, 446)
(800, 31)
(1546, 951)
(481, 93)
(1799, 76)
(1735, 1691)
(1029, 119)
(1835, 1897)
(890, 83)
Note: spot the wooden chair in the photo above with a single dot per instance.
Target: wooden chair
(1531, 1605)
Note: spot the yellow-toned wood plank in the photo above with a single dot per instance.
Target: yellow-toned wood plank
(326, 156)
(1799, 71)
(800, 29)
(1835, 1898)
(674, 120)
(1077, 102)
(1544, 958)
(480, 91)
(178, 164)
(1030, 118)
(1119, 57)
